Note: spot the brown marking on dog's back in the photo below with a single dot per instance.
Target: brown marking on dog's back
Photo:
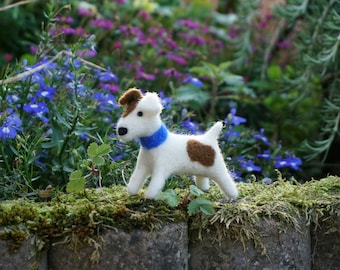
(130, 98)
(201, 153)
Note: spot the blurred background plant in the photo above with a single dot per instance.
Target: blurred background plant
(269, 71)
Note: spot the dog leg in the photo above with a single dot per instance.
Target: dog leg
(139, 175)
(156, 184)
(226, 184)
(202, 182)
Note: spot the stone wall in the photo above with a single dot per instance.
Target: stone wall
(169, 247)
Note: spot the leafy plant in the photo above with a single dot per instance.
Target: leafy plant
(192, 200)
(96, 158)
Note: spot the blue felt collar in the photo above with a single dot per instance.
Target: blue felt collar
(155, 139)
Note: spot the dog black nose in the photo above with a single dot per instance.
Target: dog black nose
(122, 131)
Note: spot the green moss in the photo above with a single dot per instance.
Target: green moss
(286, 203)
(84, 215)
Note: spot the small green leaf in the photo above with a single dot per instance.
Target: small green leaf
(194, 190)
(99, 161)
(103, 149)
(202, 205)
(170, 196)
(274, 72)
(95, 150)
(92, 149)
(76, 183)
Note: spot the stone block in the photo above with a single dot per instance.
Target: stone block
(165, 248)
(326, 244)
(285, 249)
(23, 258)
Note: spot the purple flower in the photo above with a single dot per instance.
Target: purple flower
(102, 23)
(176, 58)
(172, 72)
(189, 23)
(142, 75)
(37, 109)
(261, 137)
(232, 119)
(290, 161)
(86, 12)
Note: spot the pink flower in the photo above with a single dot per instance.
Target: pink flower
(85, 12)
(117, 45)
(144, 15)
(8, 57)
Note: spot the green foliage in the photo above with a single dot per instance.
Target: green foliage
(77, 182)
(96, 158)
(192, 199)
(200, 205)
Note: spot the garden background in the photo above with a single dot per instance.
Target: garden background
(271, 72)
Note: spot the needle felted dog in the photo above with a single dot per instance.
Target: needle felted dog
(163, 153)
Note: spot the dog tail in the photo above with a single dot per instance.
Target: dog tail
(215, 130)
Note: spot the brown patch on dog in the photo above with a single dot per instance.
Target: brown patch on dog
(130, 98)
(201, 153)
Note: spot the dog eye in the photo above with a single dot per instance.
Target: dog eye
(140, 114)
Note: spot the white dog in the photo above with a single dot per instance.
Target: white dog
(164, 153)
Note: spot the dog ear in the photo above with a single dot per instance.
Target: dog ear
(151, 103)
(130, 98)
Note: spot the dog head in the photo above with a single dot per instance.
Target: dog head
(141, 117)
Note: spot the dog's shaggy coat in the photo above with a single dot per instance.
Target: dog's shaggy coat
(163, 153)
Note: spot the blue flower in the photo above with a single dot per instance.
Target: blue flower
(231, 133)
(194, 81)
(249, 166)
(105, 102)
(290, 161)
(260, 136)
(46, 92)
(265, 155)
(106, 76)
(12, 98)
(79, 87)
(192, 126)
(11, 124)
(233, 119)
(166, 101)
(37, 109)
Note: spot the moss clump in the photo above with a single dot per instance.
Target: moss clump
(286, 203)
(83, 215)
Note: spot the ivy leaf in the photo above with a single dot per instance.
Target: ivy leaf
(202, 205)
(76, 183)
(170, 196)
